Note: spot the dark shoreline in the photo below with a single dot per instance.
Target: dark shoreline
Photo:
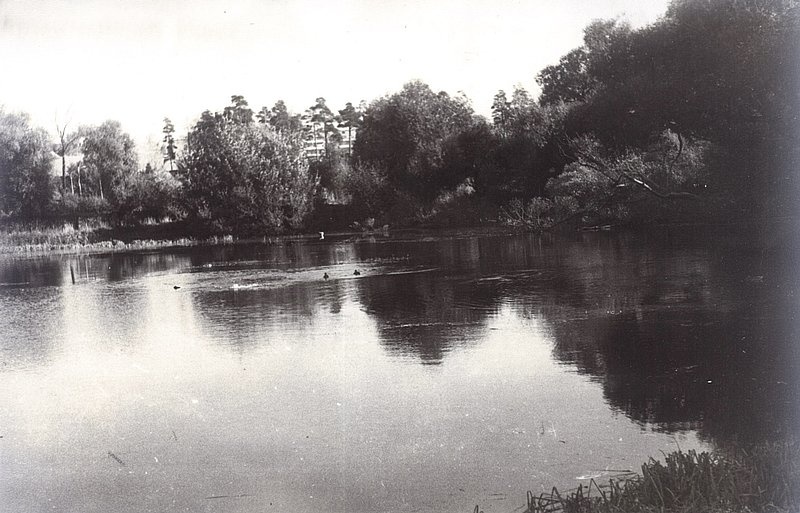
(784, 232)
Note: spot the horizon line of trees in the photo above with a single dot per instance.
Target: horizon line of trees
(210, 178)
(694, 116)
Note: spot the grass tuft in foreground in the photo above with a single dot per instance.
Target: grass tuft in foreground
(762, 479)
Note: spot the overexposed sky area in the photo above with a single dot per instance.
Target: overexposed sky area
(139, 61)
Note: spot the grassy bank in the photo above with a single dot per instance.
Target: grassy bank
(98, 236)
(765, 478)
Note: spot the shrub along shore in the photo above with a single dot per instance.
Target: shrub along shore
(764, 478)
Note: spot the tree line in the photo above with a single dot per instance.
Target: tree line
(235, 170)
(693, 117)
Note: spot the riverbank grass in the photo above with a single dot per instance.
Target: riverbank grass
(35, 238)
(763, 479)
(92, 235)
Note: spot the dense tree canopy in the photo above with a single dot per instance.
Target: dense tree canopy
(724, 71)
(278, 117)
(26, 186)
(405, 135)
(568, 81)
(524, 151)
(109, 158)
(351, 118)
(242, 175)
(321, 121)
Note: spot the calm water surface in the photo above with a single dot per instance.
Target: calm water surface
(455, 370)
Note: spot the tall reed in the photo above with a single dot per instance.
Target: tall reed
(762, 479)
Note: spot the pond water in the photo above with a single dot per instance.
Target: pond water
(453, 370)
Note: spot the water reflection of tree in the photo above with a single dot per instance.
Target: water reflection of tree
(53, 304)
(30, 317)
(428, 314)
(249, 317)
(680, 332)
(33, 272)
(681, 337)
(422, 316)
(680, 368)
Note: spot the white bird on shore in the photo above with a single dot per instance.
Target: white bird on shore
(321, 235)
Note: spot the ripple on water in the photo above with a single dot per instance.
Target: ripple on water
(235, 278)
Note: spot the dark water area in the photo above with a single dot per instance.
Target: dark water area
(450, 370)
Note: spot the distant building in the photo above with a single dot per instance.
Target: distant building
(315, 140)
(55, 162)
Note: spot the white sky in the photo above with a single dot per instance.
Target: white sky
(140, 61)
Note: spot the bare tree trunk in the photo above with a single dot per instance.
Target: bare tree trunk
(66, 144)
(63, 167)
(603, 168)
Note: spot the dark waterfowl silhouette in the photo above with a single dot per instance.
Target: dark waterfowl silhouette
(176, 287)
(356, 273)
(325, 276)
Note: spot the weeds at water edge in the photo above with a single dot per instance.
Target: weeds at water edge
(763, 479)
